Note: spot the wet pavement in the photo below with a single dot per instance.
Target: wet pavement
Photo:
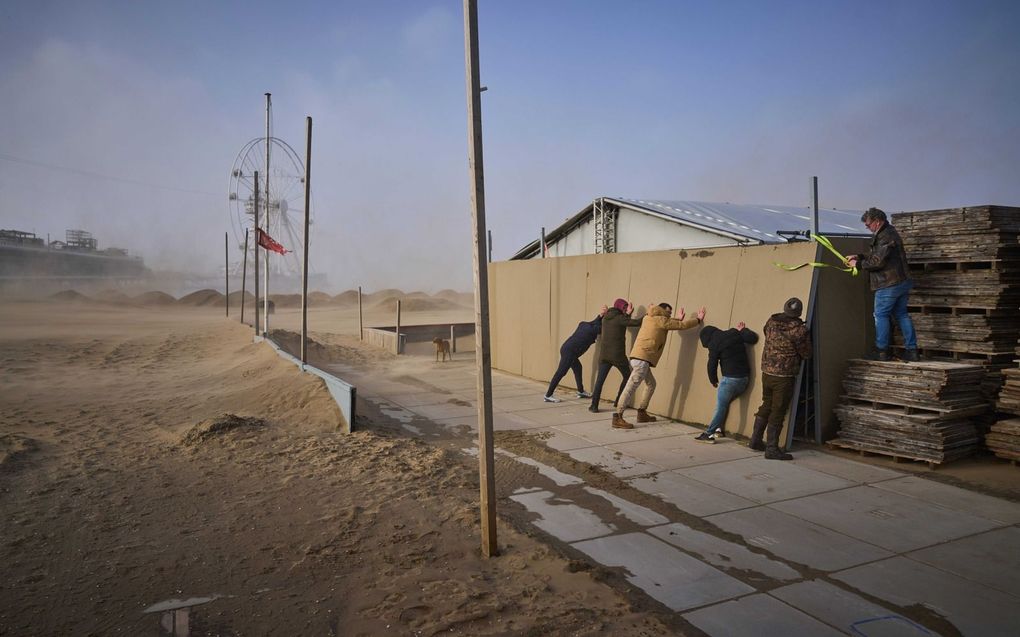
(820, 545)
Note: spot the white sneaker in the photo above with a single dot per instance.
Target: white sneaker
(550, 399)
(583, 394)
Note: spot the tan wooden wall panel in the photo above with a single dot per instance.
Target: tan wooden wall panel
(734, 284)
(707, 279)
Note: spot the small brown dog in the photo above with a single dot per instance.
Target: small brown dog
(442, 348)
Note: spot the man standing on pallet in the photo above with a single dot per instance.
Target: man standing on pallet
(787, 343)
(886, 263)
(647, 350)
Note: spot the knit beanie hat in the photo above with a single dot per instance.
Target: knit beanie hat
(793, 307)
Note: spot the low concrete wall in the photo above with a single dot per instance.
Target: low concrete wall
(344, 394)
(384, 338)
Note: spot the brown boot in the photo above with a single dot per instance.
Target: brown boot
(756, 435)
(642, 416)
(620, 423)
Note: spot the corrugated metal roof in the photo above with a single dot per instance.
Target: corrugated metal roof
(744, 222)
(755, 222)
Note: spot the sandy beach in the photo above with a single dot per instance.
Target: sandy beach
(154, 453)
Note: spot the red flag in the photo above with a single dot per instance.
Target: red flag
(269, 243)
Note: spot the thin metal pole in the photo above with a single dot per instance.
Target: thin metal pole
(361, 317)
(265, 296)
(483, 357)
(226, 271)
(304, 267)
(453, 341)
(256, 253)
(542, 246)
(490, 246)
(814, 206)
(244, 273)
(397, 348)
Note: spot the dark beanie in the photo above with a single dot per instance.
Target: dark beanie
(793, 307)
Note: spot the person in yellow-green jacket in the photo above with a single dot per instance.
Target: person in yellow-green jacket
(647, 350)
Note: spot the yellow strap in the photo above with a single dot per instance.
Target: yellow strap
(824, 241)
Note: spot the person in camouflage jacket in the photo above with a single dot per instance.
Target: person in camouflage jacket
(787, 343)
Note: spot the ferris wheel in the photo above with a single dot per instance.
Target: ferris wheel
(286, 179)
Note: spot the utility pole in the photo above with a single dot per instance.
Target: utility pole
(256, 259)
(244, 273)
(483, 357)
(361, 317)
(226, 272)
(269, 142)
(304, 267)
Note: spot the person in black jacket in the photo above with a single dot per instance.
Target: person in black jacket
(572, 350)
(726, 349)
(614, 348)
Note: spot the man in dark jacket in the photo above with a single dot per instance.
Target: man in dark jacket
(787, 343)
(726, 349)
(886, 263)
(572, 350)
(614, 348)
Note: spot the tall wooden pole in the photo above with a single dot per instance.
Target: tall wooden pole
(490, 247)
(361, 317)
(226, 272)
(304, 266)
(814, 206)
(244, 273)
(265, 296)
(256, 259)
(397, 348)
(483, 358)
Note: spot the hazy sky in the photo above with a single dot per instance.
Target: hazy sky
(124, 118)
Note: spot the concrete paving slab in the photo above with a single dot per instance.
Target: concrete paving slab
(735, 559)
(991, 558)
(633, 512)
(445, 410)
(533, 401)
(847, 612)
(696, 498)
(972, 608)
(985, 506)
(562, 518)
(602, 432)
(757, 616)
(419, 399)
(842, 467)
(797, 540)
(764, 481)
(682, 451)
(500, 422)
(568, 414)
(674, 578)
(497, 392)
(559, 440)
(883, 518)
(614, 462)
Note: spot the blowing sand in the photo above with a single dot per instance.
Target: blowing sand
(154, 453)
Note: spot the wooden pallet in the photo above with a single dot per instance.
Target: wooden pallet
(864, 450)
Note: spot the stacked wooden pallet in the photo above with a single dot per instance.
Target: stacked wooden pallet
(919, 411)
(1003, 438)
(965, 263)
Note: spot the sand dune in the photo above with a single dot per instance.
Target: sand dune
(202, 298)
(179, 459)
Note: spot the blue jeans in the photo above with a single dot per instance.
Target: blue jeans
(892, 302)
(729, 389)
